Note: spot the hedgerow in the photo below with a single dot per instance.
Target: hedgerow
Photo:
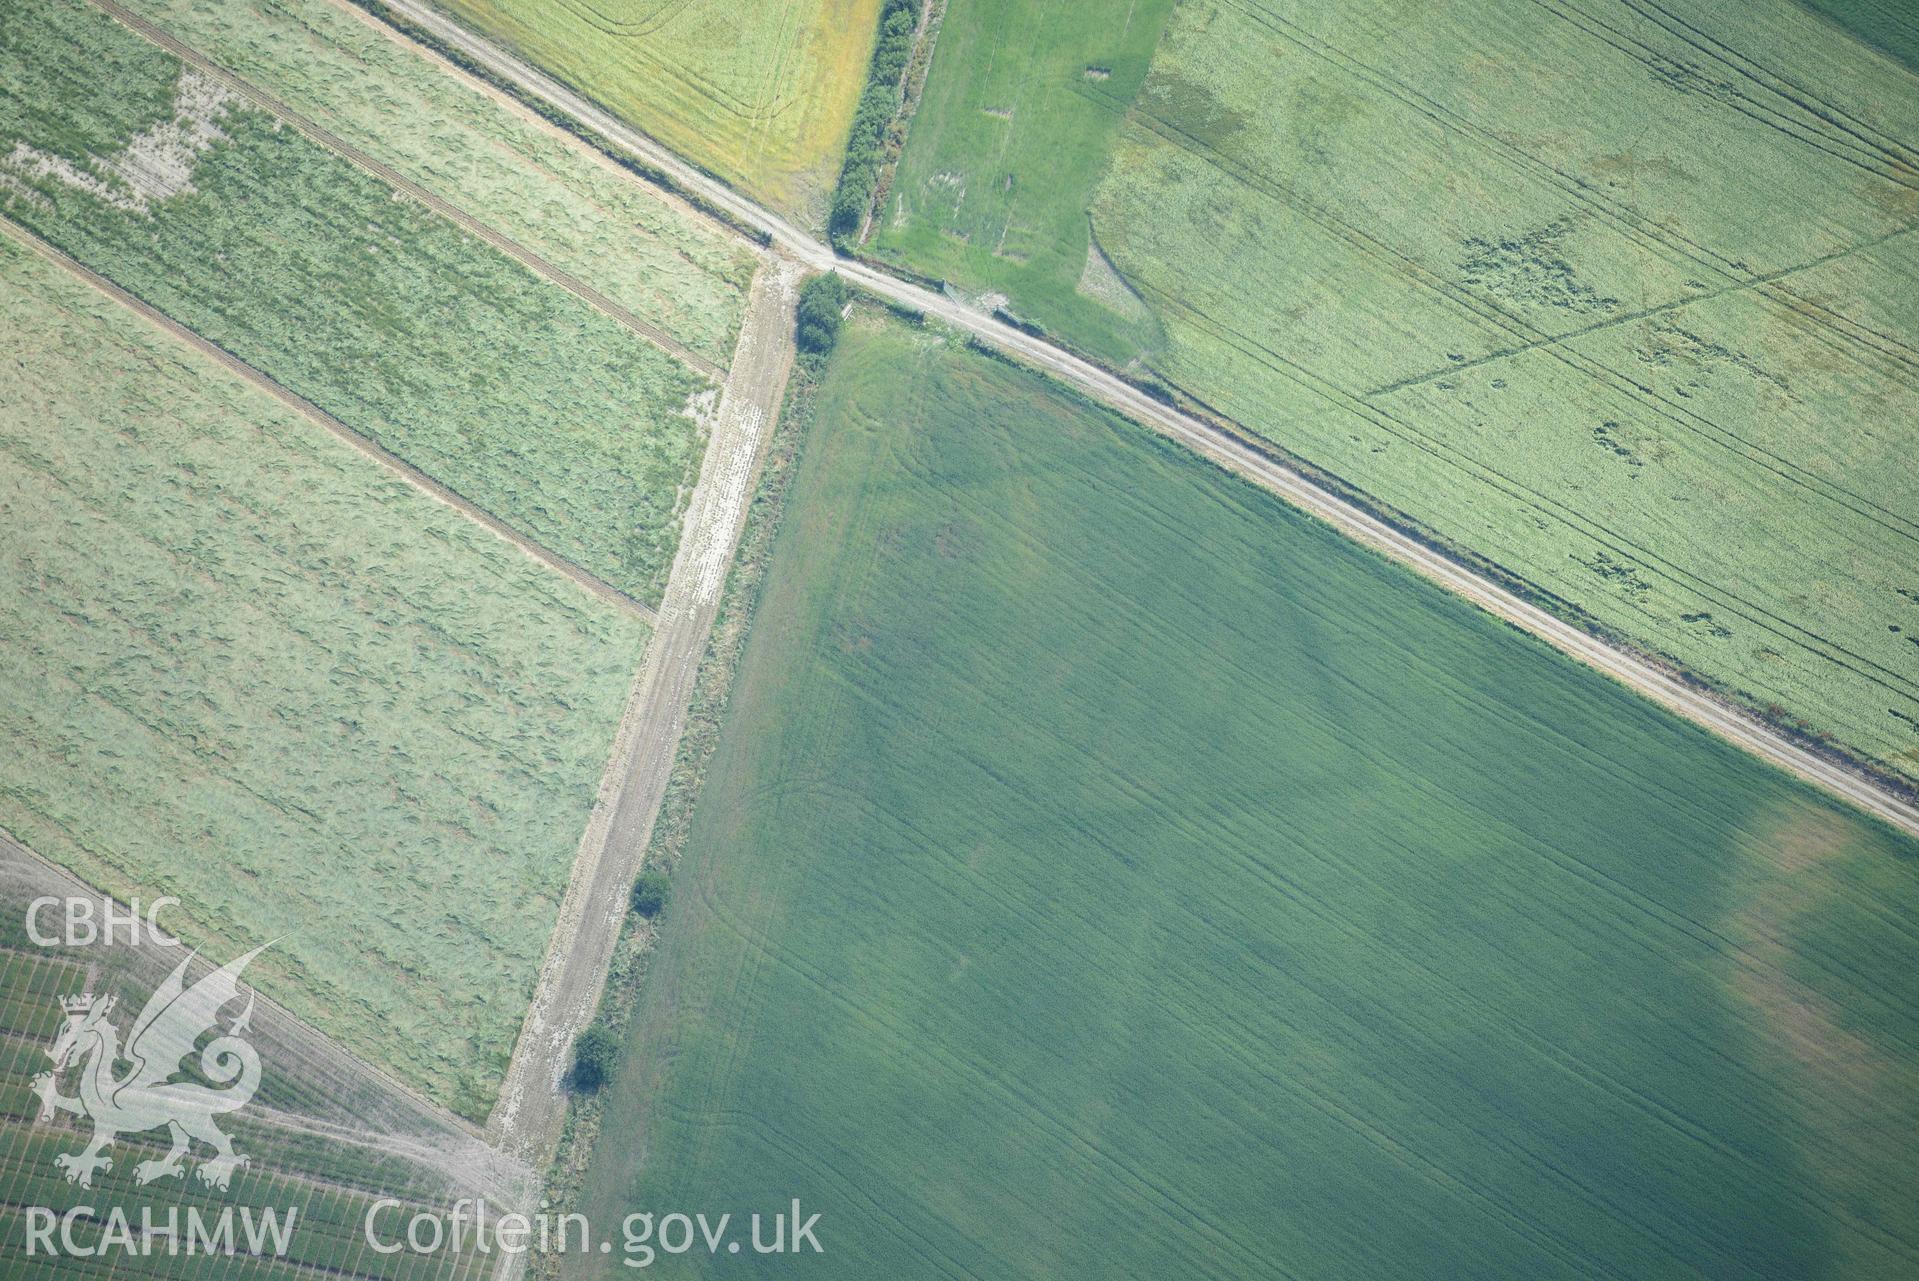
(879, 101)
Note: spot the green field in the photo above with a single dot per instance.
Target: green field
(241, 655)
(1619, 299)
(1106, 871)
(1887, 25)
(1006, 149)
(359, 80)
(506, 388)
(758, 92)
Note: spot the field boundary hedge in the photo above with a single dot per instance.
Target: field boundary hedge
(894, 146)
(878, 134)
(713, 685)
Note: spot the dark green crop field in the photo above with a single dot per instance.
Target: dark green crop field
(1107, 871)
(1889, 26)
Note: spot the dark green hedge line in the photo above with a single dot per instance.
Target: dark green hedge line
(879, 102)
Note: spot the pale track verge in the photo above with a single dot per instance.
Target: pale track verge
(1211, 440)
(526, 1121)
(301, 405)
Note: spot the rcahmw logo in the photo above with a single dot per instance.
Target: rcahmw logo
(145, 1096)
(126, 1082)
(167, 1230)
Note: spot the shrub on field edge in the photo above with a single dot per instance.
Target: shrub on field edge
(593, 1055)
(878, 101)
(649, 894)
(822, 299)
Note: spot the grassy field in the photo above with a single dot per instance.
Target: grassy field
(1620, 299)
(346, 72)
(241, 656)
(506, 388)
(1011, 137)
(760, 92)
(1106, 871)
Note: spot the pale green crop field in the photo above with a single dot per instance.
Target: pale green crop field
(1107, 871)
(1619, 298)
(506, 388)
(348, 73)
(251, 668)
(759, 92)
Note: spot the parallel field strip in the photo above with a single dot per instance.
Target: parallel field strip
(392, 178)
(300, 404)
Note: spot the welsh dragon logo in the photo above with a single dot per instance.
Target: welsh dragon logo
(146, 1096)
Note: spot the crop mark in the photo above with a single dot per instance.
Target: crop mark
(1620, 546)
(702, 85)
(1686, 79)
(1650, 236)
(1628, 221)
(1895, 151)
(1757, 284)
(1532, 268)
(663, 13)
(1491, 313)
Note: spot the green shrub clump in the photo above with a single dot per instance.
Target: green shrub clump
(649, 894)
(822, 299)
(878, 101)
(593, 1056)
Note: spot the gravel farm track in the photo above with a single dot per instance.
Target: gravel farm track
(1211, 440)
(526, 1121)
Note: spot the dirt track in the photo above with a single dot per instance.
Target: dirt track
(301, 405)
(1729, 722)
(526, 1121)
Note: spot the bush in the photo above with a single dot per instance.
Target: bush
(649, 894)
(594, 1054)
(878, 103)
(822, 299)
